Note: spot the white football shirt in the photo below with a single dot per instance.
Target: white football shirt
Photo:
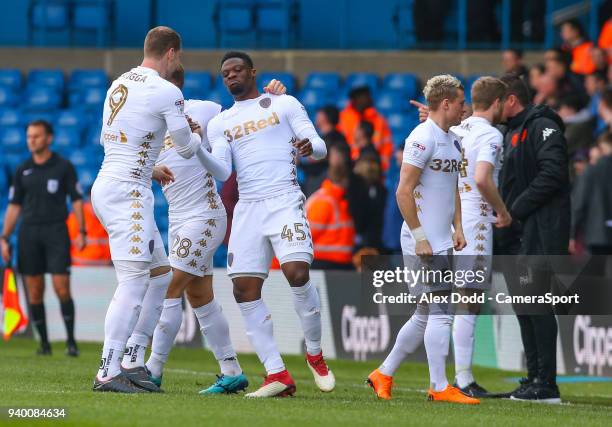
(258, 136)
(193, 193)
(438, 154)
(480, 142)
(139, 108)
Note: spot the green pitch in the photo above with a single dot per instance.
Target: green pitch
(27, 380)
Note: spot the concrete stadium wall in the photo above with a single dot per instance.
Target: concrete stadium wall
(423, 63)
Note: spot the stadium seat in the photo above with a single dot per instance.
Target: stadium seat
(92, 137)
(222, 97)
(87, 78)
(48, 78)
(234, 21)
(13, 139)
(71, 118)
(91, 99)
(92, 16)
(361, 79)
(8, 97)
(313, 99)
(66, 139)
(11, 78)
(277, 19)
(41, 98)
(406, 83)
(87, 176)
(13, 160)
(29, 117)
(10, 117)
(199, 82)
(389, 101)
(288, 80)
(399, 122)
(327, 81)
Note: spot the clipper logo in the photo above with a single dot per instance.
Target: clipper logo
(362, 335)
(592, 345)
(546, 133)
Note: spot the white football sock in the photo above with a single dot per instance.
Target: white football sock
(308, 307)
(122, 315)
(258, 325)
(463, 345)
(437, 339)
(152, 307)
(165, 333)
(215, 330)
(409, 338)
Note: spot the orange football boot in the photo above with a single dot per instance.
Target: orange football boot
(451, 394)
(381, 384)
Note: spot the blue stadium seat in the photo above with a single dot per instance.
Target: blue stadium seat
(29, 117)
(11, 78)
(93, 16)
(13, 139)
(362, 79)
(86, 176)
(8, 97)
(276, 18)
(92, 138)
(10, 117)
(406, 83)
(189, 93)
(199, 81)
(389, 101)
(87, 78)
(222, 97)
(91, 99)
(313, 99)
(400, 121)
(235, 18)
(13, 160)
(71, 118)
(49, 78)
(66, 139)
(50, 14)
(288, 80)
(41, 98)
(327, 81)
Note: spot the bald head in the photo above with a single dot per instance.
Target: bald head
(160, 40)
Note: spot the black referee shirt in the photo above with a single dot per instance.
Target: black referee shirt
(41, 190)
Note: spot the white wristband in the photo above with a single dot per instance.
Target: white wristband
(418, 234)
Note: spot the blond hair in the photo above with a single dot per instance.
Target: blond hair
(441, 87)
(486, 90)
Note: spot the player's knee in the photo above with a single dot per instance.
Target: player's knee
(63, 293)
(158, 271)
(244, 294)
(297, 273)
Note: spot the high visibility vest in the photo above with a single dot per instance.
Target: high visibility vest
(605, 38)
(582, 63)
(97, 251)
(331, 224)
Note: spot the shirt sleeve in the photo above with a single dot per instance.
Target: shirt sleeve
(418, 149)
(202, 112)
(303, 128)
(490, 149)
(168, 101)
(219, 162)
(16, 191)
(73, 188)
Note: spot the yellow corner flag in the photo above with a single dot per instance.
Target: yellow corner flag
(14, 319)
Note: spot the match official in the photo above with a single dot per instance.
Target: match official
(38, 194)
(534, 184)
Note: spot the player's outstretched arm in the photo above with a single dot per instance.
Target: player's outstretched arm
(219, 161)
(304, 129)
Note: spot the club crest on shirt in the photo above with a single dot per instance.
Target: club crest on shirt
(52, 186)
(265, 102)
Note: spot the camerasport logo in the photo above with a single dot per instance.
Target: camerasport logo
(592, 345)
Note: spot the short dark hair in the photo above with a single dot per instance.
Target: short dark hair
(575, 24)
(517, 52)
(540, 67)
(367, 128)
(599, 75)
(45, 124)
(575, 101)
(159, 40)
(178, 77)
(358, 91)
(238, 54)
(332, 113)
(517, 87)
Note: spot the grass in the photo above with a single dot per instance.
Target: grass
(27, 380)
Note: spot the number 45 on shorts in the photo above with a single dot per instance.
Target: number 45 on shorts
(298, 229)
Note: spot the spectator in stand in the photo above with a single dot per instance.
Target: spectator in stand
(535, 74)
(600, 59)
(595, 84)
(362, 140)
(393, 220)
(326, 121)
(592, 207)
(546, 90)
(97, 250)
(329, 213)
(360, 108)
(567, 82)
(604, 109)
(512, 62)
(605, 37)
(579, 123)
(575, 41)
